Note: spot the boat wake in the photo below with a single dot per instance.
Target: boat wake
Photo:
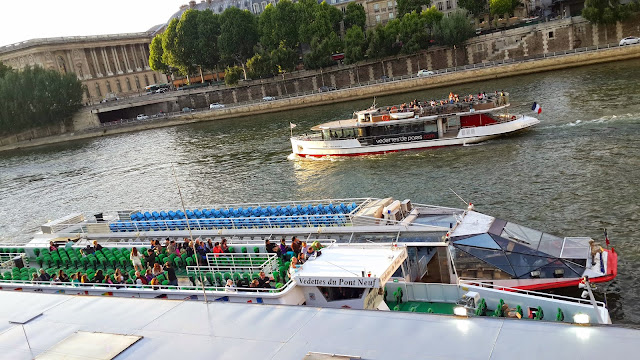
(602, 120)
(295, 157)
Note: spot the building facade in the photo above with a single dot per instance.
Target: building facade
(108, 65)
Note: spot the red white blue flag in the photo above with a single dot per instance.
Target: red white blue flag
(536, 108)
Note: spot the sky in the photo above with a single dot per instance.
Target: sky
(22, 20)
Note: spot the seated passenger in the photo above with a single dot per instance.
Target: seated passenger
(171, 247)
(74, 279)
(224, 246)
(96, 246)
(84, 280)
(264, 281)
(98, 277)
(157, 270)
(44, 276)
(254, 283)
(148, 275)
(230, 287)
(35, 279)
(62, 276)
(141, 280)
(293, 267)
(217, 250)
(155, 283)
(118, 278)
(53, 246)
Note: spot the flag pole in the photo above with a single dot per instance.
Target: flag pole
(291, 129)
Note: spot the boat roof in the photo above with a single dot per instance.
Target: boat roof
(351, 266)
(171, 329)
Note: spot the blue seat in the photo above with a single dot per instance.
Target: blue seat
(147, 215)
(273, 211)
(162, 225)
(198, 214)
(180, 214)
(114, 227)
(163, 215)
(171, 224)
(133, 216)
(208, 214)
(189, 214)
(155, 215)
(171, 215)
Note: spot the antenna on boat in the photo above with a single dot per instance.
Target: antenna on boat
(175, 178)
(469, 205)
(374, 105)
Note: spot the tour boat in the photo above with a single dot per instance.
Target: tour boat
(380, 130)
(444, 244)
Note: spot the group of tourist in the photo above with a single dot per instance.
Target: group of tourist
(417, 105)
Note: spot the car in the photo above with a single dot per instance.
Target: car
(384, 78)
(161, 91)
(326, 88)
(629, 41)
(425, 73)
(216, 106)
(186, 109)
(142, 117)
(268, 98)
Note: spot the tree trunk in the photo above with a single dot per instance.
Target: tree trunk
(201, 76)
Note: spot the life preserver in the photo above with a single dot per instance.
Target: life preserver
(513, 117)
(394, 109)
(385, 117)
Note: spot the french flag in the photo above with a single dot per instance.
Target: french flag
(536, 108)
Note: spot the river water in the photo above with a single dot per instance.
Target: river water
(574, 174)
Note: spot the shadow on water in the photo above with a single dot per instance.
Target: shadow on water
(572, 175)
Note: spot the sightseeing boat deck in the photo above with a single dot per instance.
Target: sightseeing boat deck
(417, 125)
(480, 247)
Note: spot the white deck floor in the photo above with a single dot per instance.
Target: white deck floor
(193, 330)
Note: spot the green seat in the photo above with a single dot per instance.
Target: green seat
(232, 249)
(210, 278)
(498, 312)
(279, 285)
(179, 263)
(165, 282)
(560, 315)
(243, 249)
(219, 279)
(539, 314)
(256, 249)
(161, 278)
(226, 276)
(36, 251)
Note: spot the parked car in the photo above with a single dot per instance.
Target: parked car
(268, 98)
(161, 90)
(425, 73)
(216, 106)
(629, 41)
(384, 78)
(326, 88)
(142, 117)
(186, 109)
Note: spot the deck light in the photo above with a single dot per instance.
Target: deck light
(460, 311)
(581, 318)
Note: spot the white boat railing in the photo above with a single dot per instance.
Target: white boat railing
(237, 262)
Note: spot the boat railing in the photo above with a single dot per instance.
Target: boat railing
(8, 260)
(137, 287)
(237, 262)
(490, 285)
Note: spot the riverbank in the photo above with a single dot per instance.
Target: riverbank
(472, 73)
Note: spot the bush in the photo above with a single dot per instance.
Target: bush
(232, 75)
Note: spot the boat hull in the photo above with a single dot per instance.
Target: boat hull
(352, 147)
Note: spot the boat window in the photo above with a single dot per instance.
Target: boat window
(552, 245)
(325, 135)
(361, 131)
(453, 122)
(336, 134)
(430, 127)
(348, 133)
(340, 293)
(470, 267)
(522, 234)
(416, 127)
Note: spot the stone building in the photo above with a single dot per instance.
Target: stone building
(108, 65)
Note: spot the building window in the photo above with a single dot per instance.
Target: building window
(146, 80)
(376, 8)
(256, 8)
(550, 34)
(391, 16)
(377, 19)
(440, 6)
(128, 84)
(389, 5)
(118, 86)
(448, 4)
(137, 83)
(109, 87)
(98, 91)
(263, 5)
(479, 47)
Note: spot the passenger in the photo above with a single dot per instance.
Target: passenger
(224, 246)
(304, 248)
(141, 280)
(96, 246)
(118, 278)
(78, 276)
(189, 248)
(84, 280)
(108, 279)
(35, 279)
(217, 250)
(157, 270)
(230, 287)
(264, 281)
(44, 276)
(293, 267)
(171, 247)
(135, 259)
(74, 279)
(53, 246)
(150, 258)
(302, 257)
(69, 244)
(87, 250)
(171, 274)
(148, 275)
(270, 248)
(254, 283)
(209, 246)
(155, 283)
(62, 276)
(98, 278)
(158, 247)
(296, 246)
(202, 252)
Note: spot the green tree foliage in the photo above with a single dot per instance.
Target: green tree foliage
(454, 29)
(407, 6)
(169, 44)
(475, 7)
(354, 44)
(605, 11)
(501, 7)
(432, 16)
(355, 15)
(186, 54)
(317, 20)
(238, 35)
(4, 69)
(320, 55)
(260, 66)
(380, 42)
(277, 24)
(37, 97)
(208, 55)
(284, 58)
(155, 55)
(412, 33)
(232, 75)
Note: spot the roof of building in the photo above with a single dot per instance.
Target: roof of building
(71, 39)
(193, 330)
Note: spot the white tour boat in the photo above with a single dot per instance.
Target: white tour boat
(444, 245)
(418, 126)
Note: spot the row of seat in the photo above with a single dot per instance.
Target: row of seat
(290, 210)
(239, 223)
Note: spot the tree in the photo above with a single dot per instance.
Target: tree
(355, 15)
(37, 97)
(321, 51)
(412, 33)
(260, 65)
(354, 44)
(208, 56)
(432, 16)
(4, 69)
(155, 55)
(232, 75)
(475, 7)
(317, 20)
(284, 58)
(380, 42)
(501, 7)
(169, 44)
(277, 24)
(605, 12)
(238, 35)
(454, 30)
(407, 6)
(188, 49)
